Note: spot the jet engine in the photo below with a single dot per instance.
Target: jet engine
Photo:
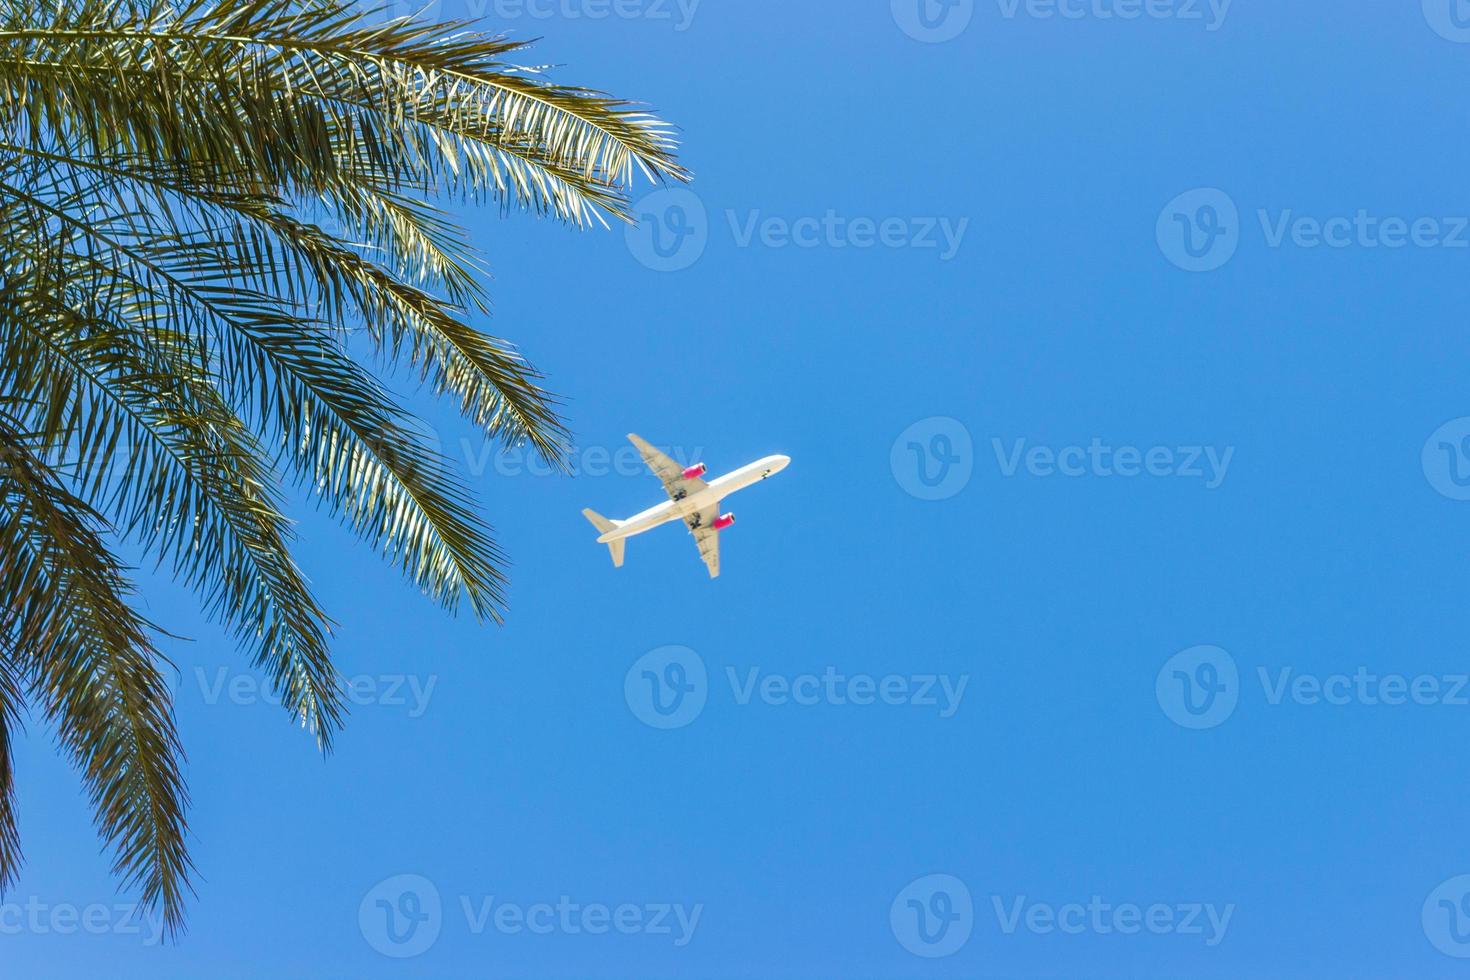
(723, 521)
(695, 472)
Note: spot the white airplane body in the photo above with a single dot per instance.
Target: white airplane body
(691, 500)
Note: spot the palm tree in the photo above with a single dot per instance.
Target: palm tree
(199, 201)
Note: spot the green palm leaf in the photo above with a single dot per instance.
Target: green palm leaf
(201, 204)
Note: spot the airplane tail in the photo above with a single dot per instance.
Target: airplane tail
(604, 525)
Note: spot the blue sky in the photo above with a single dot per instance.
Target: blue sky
(1122, 363)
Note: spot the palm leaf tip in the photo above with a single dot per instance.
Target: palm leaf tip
(88, 661)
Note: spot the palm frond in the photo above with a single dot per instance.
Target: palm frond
(92, 668)
(341, 430)
(203, 205)
(11, 700)
(179, 472)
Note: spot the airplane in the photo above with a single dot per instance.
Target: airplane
(691, 499)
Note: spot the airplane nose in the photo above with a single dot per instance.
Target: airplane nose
(782, 462)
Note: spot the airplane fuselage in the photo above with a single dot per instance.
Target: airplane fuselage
(711, 495)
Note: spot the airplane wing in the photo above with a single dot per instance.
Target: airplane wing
(668, 471)
(708, 539)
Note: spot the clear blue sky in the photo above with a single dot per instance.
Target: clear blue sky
(1320, 552)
